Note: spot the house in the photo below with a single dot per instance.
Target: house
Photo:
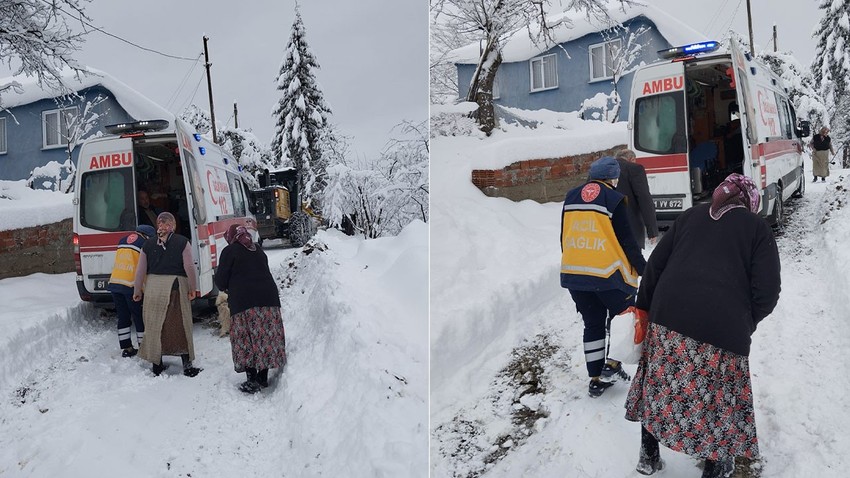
(37, 124)
(581, 63)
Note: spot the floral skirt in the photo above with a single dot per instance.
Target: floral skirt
(693, 397)
(257, 339)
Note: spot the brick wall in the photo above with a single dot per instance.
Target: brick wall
(47, 248)
(543, 180)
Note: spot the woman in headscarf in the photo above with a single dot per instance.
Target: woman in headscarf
(257, 337)
(709, 282)
(167, 277)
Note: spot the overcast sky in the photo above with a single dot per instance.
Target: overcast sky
(795, 21)
(373, 56)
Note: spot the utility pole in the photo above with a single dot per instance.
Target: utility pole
(235, 116)
(750, 24)
(207, 64)
(774, 38)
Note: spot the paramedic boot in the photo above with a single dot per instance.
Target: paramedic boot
(615, 372)
(719, 469)
(597, 387)
(650, 457)
(129, 352)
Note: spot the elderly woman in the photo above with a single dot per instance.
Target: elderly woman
(712, 278)
(257, 337)
(166, 275)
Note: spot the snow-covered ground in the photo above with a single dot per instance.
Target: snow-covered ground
(352, 400)
(508, 379)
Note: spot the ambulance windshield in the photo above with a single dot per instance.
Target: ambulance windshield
(660, 124)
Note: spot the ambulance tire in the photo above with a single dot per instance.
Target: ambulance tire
(300, 229)
(777, 217)
(801, 189)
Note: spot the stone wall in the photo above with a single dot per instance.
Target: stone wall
(542, 180)
(47, 248)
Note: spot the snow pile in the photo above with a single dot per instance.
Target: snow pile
(352, 400)
(22, 207)
(508, 377)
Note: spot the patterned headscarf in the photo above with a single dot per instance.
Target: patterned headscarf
(165, 224)
(735, 191)
(241, 235)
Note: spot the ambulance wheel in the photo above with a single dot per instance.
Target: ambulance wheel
(801, 189)
(300, 229)
(777, 218)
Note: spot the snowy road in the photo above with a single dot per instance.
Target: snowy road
(351, 402)
(480, 409)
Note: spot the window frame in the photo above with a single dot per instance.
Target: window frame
(62, 136)
(4, 146)
(606, 51)
(542, 59)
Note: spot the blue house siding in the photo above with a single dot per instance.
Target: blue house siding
(24, 132)
(573, 67)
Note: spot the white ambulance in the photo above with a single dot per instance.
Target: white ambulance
(182, 173)
(698, 116)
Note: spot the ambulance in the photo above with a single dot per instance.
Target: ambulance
(698, 115)
(182, 173)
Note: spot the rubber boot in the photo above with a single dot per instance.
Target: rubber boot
(263, 377)
(719, 468)
(650, 456)
(250, 386)
(188, 369)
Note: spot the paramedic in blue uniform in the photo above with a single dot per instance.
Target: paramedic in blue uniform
(600, 264)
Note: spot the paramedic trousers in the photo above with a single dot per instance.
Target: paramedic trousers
(129, 313)
(596, 309)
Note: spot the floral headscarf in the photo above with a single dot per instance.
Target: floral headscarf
(241, 235)
(735, 191)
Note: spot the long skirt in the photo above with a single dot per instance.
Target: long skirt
(693, 397)
(820, 164)
(257, 339)
(167, 315)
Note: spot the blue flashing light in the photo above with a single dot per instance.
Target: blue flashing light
(239, 168)
(203, 150)
(689, 50)
(225, 160)
(197, 137)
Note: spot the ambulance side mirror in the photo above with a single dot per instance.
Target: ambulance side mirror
(804, 130)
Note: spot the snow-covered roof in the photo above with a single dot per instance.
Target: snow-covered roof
(519, 47)
(137, 105)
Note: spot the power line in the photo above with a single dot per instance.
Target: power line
(192, 98)
(173, 97)
(715, 17)
(732, 18)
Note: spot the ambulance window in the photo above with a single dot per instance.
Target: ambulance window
(784, 116)
(660, 124)
(107, 200)
(199, 209)
(237, 193)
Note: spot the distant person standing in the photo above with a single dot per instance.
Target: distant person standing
(167, 276)
(600, 264)
(634, 186)
(121, 287)
(692, 391)
(822, 145)
(257, 336)
(147, 211)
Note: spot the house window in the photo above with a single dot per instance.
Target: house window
(544, 73)
(55, 126)
(602, 59)
(496, 90)
(2, 135)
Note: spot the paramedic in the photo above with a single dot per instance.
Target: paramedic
(692, 390)
(600, 264)
(121, 287)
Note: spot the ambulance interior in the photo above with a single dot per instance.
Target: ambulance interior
(715, 143)
(159, 172)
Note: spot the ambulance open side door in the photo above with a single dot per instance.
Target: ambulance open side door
(745, 87)
(194, 188)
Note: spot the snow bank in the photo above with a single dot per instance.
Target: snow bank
(22, 207)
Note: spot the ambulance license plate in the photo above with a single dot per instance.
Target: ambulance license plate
(666, 204)
(100, 282)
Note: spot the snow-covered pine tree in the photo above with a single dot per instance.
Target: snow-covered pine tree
(807, 102)
(37, 40)
(197, 117)
(831, 66)
(301, 115)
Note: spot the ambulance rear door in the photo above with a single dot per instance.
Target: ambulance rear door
(659, 136)
(104, 209)
(745, 86)
(193, 174)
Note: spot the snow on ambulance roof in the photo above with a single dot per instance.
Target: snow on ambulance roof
(137, 105)
(519, 47)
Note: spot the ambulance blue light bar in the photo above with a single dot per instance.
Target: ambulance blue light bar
(136, 127)
(689, 50)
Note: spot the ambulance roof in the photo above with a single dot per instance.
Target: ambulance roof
(519, 47)
(137, 105)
